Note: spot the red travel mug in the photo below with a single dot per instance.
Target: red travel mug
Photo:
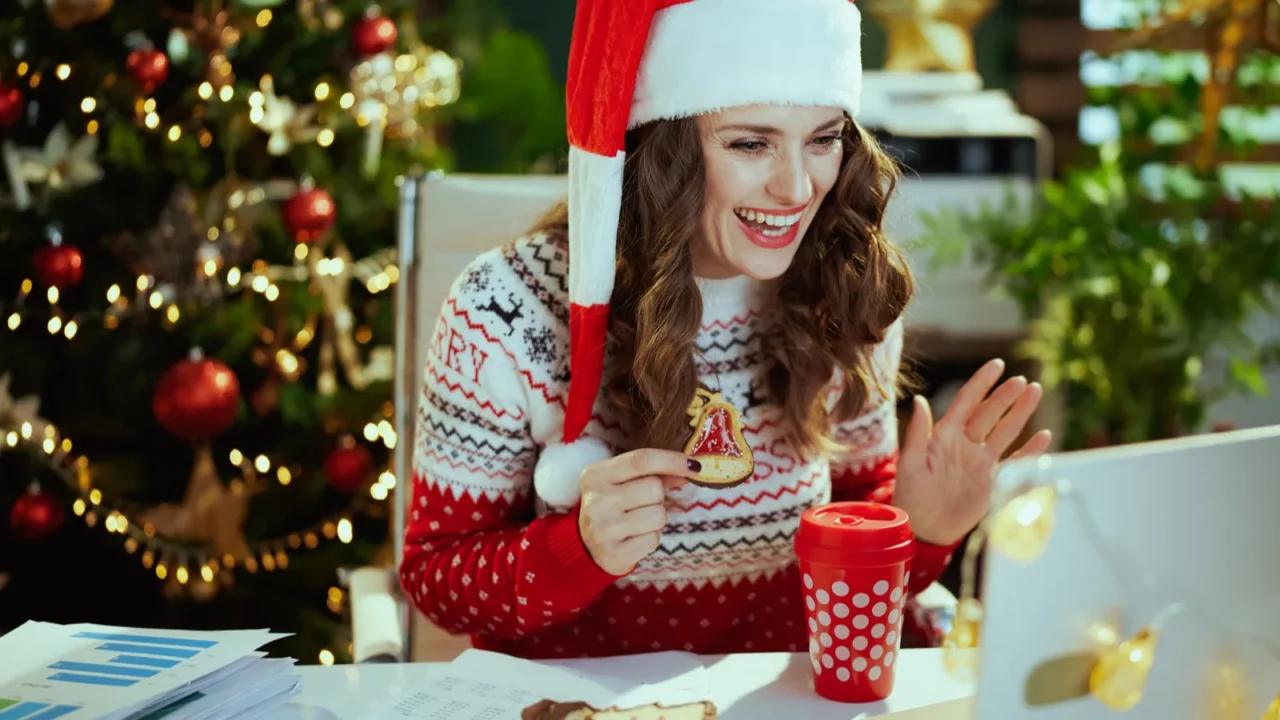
(854, 559)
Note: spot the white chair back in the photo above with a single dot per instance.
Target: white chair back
(446, 221)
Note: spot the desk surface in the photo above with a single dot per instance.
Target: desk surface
(744, 687)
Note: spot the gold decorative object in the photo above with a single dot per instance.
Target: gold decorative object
(959, 656)
(1228, 26)
(1120, 677)
(930, 35)
(181, 256)
(387, 91)
(320, 15)
(1022, 528)
(332, 278)
(210, 513)
(211, 29)
(1273, 710)
(66, 14)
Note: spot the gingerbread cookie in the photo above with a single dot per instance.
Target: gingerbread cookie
(550, 710)
(717, 442)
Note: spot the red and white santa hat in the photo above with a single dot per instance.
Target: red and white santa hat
(635, 61)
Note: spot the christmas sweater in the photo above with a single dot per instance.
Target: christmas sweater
(483, 556)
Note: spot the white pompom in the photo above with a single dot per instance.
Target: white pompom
(557, 475)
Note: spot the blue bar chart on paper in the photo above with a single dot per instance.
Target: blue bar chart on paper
(123, 659)
(74, 672)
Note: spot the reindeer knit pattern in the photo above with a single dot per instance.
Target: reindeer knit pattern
(484, 556)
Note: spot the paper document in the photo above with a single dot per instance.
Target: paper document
(96, 671)
(481, 685)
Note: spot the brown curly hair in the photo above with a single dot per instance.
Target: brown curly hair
(844, 289)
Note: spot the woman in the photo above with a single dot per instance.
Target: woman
(723, 234)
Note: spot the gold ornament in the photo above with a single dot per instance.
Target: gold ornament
(1120, 677)
(66, 14)
(1022, 528)
(387, 91)
(212, 31)
(1273, 710)
(210, 513)
(332, 279)
(930, 35)
(182, 254)
(319, 15)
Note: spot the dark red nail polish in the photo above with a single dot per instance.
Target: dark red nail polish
(694, 465)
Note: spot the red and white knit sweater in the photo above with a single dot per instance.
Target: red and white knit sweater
(484, 556)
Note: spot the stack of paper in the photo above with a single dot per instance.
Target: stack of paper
(481, 684)
(96, 671)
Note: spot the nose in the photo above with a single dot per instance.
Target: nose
(791, 184)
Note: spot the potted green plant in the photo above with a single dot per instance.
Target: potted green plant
(1138, 271)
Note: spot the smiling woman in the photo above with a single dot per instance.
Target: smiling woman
(769, 168)
(717, 290)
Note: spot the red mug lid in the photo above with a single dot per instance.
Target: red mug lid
(856, 532)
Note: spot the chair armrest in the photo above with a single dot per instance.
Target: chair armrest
(377, 615)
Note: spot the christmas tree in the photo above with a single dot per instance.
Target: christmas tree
(197, 228)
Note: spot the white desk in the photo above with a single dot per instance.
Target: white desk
(743, 687)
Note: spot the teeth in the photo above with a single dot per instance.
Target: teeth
(780, 221)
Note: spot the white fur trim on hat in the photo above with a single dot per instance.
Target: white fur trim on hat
(708, 55)
(557, 476)
(595, 202)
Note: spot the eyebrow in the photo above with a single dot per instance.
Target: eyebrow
(769, 130)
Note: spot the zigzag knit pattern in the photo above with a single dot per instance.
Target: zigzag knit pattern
(484, 557)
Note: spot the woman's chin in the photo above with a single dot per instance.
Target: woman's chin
(759, 264)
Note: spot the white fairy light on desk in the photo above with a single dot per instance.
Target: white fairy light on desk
(1020, 529)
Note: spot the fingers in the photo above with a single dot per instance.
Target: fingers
(649, 519)
(1037, 445)
(671, 482)
(639, 547)
(639, 493)
(1013, 423)
(972, 393)
(639, 463)
(987, 414)
(921, 424)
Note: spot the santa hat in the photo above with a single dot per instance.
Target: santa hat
(635, 61)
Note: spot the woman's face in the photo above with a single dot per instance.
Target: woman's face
(768, 168)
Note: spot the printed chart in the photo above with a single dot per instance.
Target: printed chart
(90, 671)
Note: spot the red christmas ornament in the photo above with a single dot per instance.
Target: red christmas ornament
(309, 214)
(36, 515)
(197, 398)
(149, 67)
(11, 104)
(348, 466)
(58, 265)
(374, 34)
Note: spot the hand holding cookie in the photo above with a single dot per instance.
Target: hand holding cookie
(624, 505)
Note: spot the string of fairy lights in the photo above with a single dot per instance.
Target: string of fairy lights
(1020, 528)
(184, 561)
(377, 272)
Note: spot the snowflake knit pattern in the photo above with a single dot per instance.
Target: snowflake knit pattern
(484, 556)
